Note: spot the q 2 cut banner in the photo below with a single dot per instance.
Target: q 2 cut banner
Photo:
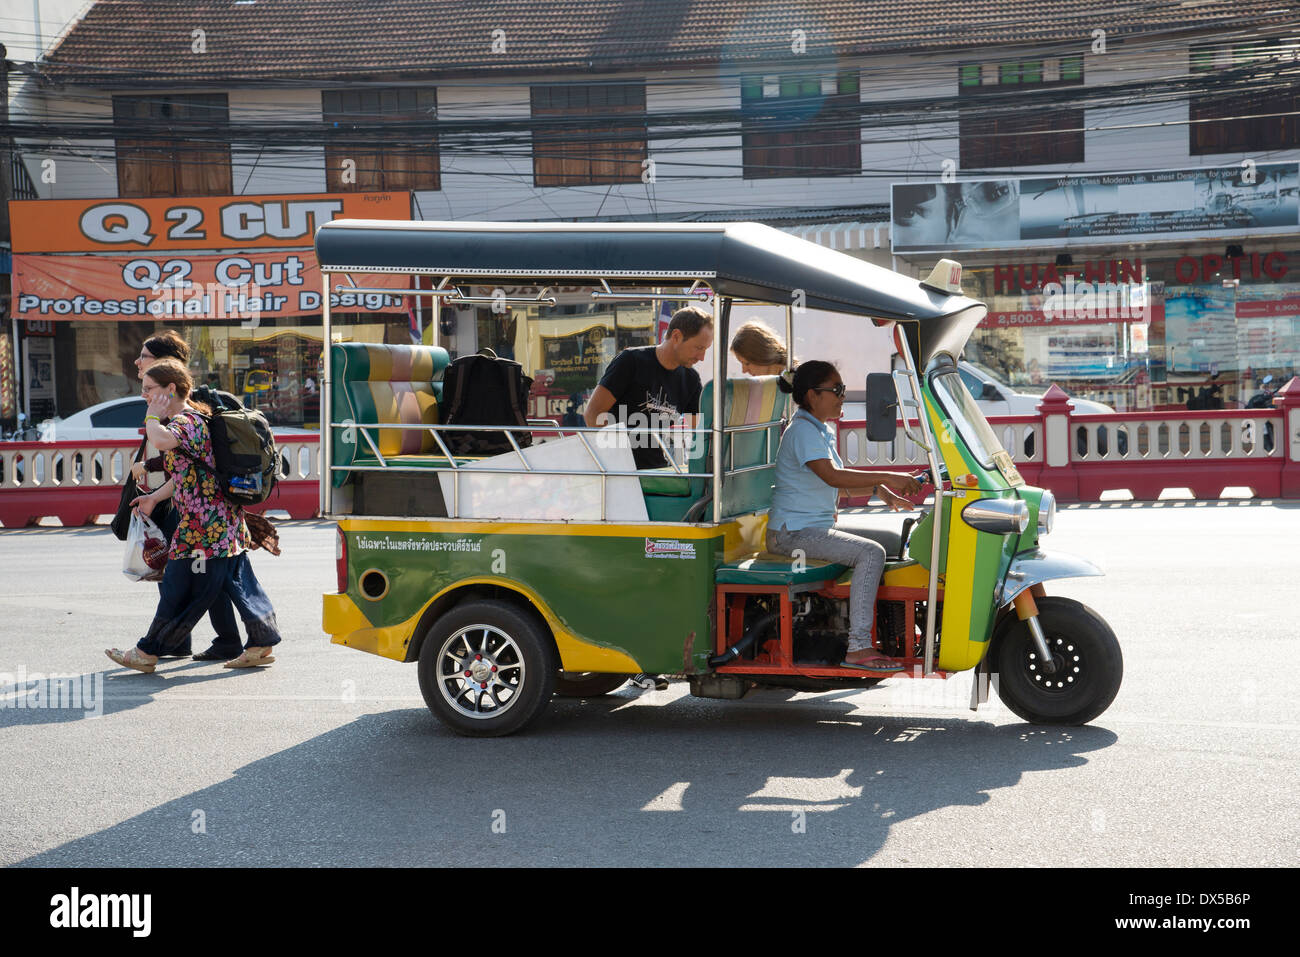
(195, 223)
(246, 287)
(207, 257)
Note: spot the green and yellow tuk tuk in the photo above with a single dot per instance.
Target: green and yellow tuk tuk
(558, 568)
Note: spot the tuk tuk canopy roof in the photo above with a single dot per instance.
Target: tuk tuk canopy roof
(738, 260)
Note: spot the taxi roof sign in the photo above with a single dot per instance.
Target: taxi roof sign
(944, 277)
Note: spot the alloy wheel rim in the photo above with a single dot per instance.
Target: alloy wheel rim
(480, 671)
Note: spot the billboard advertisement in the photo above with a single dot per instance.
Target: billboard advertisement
(1061, 211)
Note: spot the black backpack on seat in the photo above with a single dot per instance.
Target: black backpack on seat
(484, 390)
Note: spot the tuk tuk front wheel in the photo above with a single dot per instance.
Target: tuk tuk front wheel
(487, 668)
(587, 684)
(1089, 665)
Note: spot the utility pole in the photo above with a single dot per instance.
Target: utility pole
(6, 191)
(6, 151)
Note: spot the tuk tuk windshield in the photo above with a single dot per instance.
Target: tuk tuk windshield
(959, 405)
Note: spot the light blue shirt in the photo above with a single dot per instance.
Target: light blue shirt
(801, 499)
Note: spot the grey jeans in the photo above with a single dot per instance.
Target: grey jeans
(866, 557)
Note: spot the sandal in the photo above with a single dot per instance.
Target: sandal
(133, 658)
(872, 662)
(252, 657)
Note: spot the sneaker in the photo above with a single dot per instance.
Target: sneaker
(215, 653)
(650, 682)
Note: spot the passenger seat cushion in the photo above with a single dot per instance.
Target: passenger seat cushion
(381, 383)
(768, 568)
(753, 400)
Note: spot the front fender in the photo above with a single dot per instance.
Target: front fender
(1035, 566)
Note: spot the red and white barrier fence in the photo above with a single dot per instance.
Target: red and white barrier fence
(76, 482)
(1080, 457)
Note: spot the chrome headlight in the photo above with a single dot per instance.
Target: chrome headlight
(1001, 516)
(1046, 513)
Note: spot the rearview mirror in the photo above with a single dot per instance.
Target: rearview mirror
(882, 407)
(991, 393)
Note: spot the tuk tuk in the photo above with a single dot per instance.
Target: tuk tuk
(557, 567)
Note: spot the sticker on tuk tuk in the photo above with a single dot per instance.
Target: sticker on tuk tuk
(389, 544)
(668, 548)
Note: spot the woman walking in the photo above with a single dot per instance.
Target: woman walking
(208, 556)
(147, 470)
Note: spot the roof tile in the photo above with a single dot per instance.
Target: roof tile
(139, 42)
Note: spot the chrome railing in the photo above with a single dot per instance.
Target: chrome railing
(676, 453)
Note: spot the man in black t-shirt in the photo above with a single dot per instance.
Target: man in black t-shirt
(652, 388)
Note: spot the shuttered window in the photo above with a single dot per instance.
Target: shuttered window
(380, 139)
(1009, 126)
(586, 135)
(173, 145)
(1257, 108)
(801, 125)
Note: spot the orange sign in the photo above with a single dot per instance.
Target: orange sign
(199, 222)
(245, 287)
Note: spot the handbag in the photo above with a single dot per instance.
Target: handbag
(121, 524)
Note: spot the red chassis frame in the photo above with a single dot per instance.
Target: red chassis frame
(776, 656)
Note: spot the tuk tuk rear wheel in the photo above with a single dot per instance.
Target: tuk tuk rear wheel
(487, 668)
(1088, 659)
(587, 684)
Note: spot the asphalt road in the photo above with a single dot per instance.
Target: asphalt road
(329, 756)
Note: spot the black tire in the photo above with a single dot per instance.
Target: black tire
(587, 684)
(1090, 665)
(507, 640)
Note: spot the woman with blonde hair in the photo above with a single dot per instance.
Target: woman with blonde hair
(208, 555)
(759, 350)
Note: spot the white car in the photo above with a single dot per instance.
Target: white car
(117, 419)
(995, 397)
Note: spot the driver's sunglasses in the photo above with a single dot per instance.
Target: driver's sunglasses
(838, 389)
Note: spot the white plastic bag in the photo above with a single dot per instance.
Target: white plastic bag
(143, 536)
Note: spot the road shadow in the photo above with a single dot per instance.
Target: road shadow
(65, 696)
(601, 782)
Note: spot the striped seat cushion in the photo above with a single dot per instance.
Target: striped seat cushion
(381, 383)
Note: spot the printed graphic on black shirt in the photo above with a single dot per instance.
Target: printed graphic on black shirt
(651, 400)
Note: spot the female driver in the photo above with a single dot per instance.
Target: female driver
(208, 555)
(809, 478)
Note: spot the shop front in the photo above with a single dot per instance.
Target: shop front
(1146, 291)
(235, 276)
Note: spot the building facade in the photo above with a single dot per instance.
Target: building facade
(1122, 189)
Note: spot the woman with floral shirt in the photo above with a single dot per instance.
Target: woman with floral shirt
(208, 555)
(148, 472)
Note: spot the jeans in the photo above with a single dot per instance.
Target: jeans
(190, 588)
(866, 557)
(221, 614)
